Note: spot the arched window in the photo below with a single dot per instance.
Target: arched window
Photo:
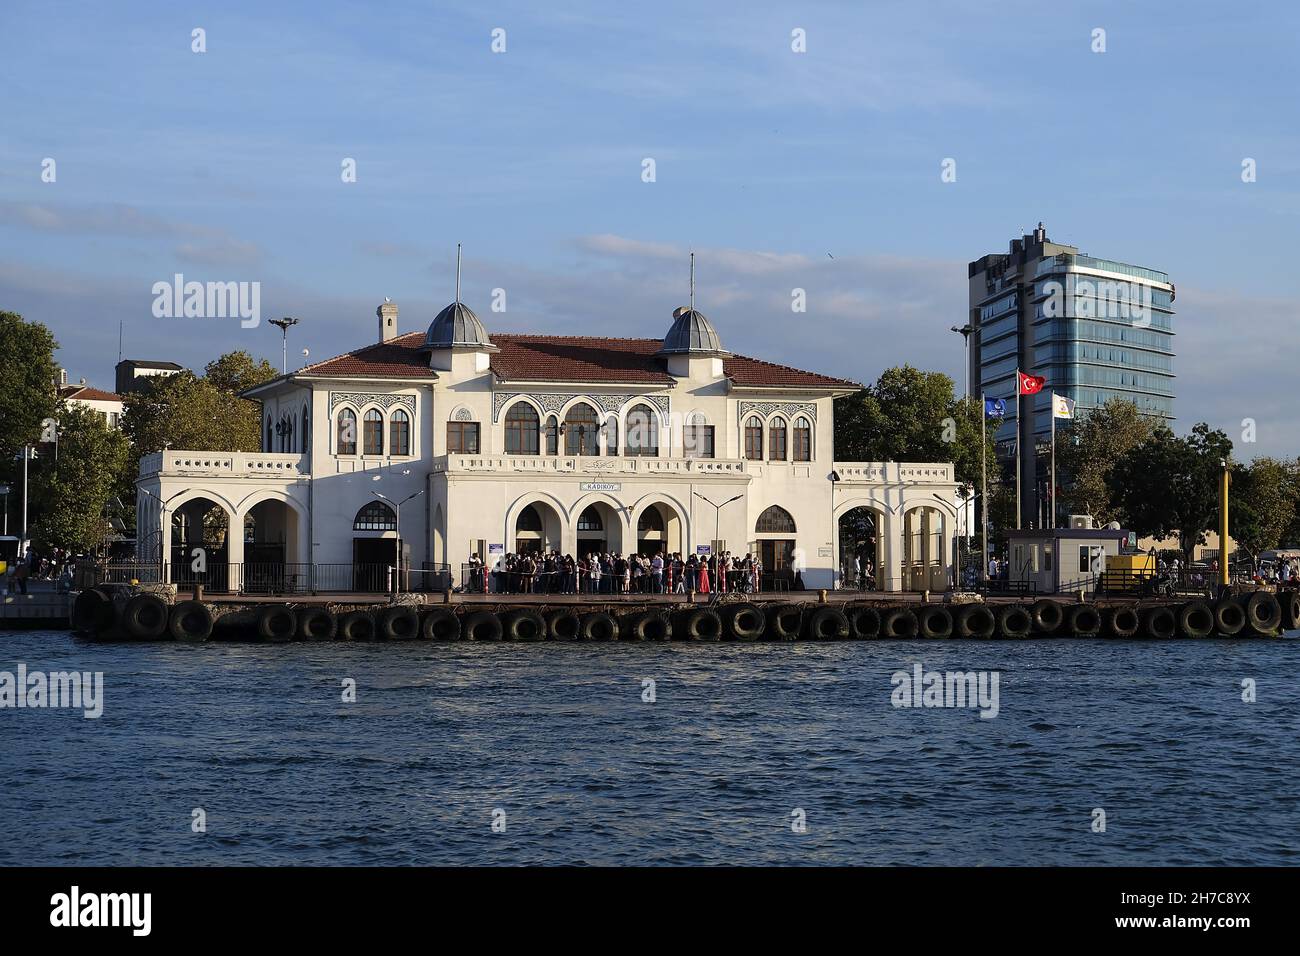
(650, 520)
(375, 516)
(268, 446)
(775, 520)
(521, 429)
(399, 433)
(776, 439)
(529, 520)
(754, 438)
(372, 434)
(580, 427)
(589, 520)
(347, 437)
(285, 430)
(642, 432)
(802, 439)
(306, 432)
(552, 435)
(610, 428)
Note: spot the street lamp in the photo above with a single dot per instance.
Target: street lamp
(717, 511)
(397, 511)
(162, 524)
(965, 331)
(284, 325)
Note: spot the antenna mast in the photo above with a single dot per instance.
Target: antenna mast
(692, 282)
(458, 273)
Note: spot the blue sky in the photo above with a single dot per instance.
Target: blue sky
(817, 170)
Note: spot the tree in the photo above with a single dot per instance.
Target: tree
(910, 415)
(1169, 485)
(1262, 504)
(1087, 450)
(198, 413)
(27, 376)
(69, 491)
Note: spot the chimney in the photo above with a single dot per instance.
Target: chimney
(63, 376)
(387, 313)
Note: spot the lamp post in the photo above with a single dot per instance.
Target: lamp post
(162, 524)
(717, 511)
(397, 512)
(284, 325)
(965, 331)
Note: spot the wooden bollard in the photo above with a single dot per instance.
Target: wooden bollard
(821, 596)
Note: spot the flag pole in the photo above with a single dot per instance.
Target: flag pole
(1019, 423)
(984, 481)
(1052, 489)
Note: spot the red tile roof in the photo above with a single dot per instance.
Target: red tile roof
(88, 393)
(560, 358)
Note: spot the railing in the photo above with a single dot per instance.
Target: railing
(273, 577)
(886, 472)
(478, 579)
(224, 464)
(590, 465)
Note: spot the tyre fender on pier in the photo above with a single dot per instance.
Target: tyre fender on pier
(864, 621)
(899, 622)
(934, 621)
(745, 622)
(1263, 613)
(784, 621)
(190, 621)
(1047, 615)
(702, 624)
(525, 625)
(828, 624)
(1229, 616)
(1014, 621)
(975, 620)
(1195, 619)
(1159, 621)
(648, 625)
(93, 612)
(598, 626)
(356, 626)
(1122, 621)
(399, 623)
(440, 624)
(316, 624)
(276, 623)
(1289, 601)
(482, 626)
(563, 625)
(1083, 620)
(145, 617)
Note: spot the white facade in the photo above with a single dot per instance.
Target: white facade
(307, 487)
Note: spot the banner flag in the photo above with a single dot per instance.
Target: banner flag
(1030, 384)
(1062, 407)
(995, 407)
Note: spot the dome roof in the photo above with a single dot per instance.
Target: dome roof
(691, 332)
(457, 327)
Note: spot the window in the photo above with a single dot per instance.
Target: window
(462, 438)
(269, 446)
(611, 434)
(552, 435)
(754, 438)
(285, 430)
(651, 521)
(373, 432)
(1085, 555)
(589, 520)
(528, 520)
(375, 516)
(521, 429)
(802, 439)
(697, 441)
(580, 427)
(775, 520)
(347, 433)
(306, 432)
(776, 439)
(399, 433)
(642, 432)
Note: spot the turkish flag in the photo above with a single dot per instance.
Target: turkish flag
(1031, 384)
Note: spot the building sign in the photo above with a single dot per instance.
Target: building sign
(496, 549)
(601, 486)
(823, 552)
(703, 549)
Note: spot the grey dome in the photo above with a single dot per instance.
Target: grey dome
(457, 327)
(691, 332)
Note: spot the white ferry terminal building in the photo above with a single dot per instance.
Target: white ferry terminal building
(467, 443)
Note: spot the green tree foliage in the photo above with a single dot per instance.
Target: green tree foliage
(1262, 504)
(1169, 485)
(198, 413)
(910, 415)
(69, 491)
(1086, 452)
(27, 375)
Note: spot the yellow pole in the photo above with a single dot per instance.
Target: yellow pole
(1223, 526)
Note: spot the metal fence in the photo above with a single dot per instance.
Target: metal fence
(274, 577)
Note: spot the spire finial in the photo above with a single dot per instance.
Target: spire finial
(692, 282)
(458, 273)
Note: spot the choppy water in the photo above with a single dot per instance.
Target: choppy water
(740, 736)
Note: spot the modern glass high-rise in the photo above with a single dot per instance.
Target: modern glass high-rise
(1096, 329)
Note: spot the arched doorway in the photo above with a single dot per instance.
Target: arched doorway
(200, 534)
(659, 531)
(270, 531)
(374, 546)
(774, 534)
(925, 549)
(537, 529)
(598, 530)
(861, 548)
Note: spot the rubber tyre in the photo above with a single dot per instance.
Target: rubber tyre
(784, 622)
(899, 622)
(975, 621)
(1195, 619)
(356, 626)
(316, 624)
(482, 626)
(1289, 601)
(190, 621)
(1122, 622)
(598, 626)
(524, 625)
(934, 621)
(563, 625)
(827, 624)
(440, 624)
(276, 623)
(1083, 620)
(1048, 616)
(1015, 622)
(702, 624)
(745, 622)
(1263, 612)
(1229, 617)
(864, 623)
(93, 612)
(145, 617)
(655, 626)
(1159, 622)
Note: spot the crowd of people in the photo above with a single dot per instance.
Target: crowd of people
(550, 572)
(57, 566)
